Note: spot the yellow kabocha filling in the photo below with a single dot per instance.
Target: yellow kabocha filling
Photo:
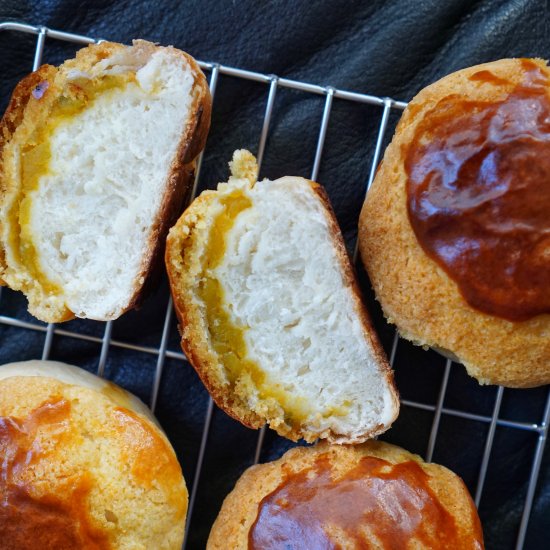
(227, 338)
(35, 164)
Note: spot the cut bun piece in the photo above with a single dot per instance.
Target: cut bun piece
(270, 312)
(97, 158)
(375, 495)
(84, 465)
(511, 198)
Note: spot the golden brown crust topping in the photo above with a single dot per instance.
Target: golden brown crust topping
(373, 495)
(12, 118)
(145, 452)
(82, 472)
(375, 502)
(415, 292)
(30, 521)
(478, 194)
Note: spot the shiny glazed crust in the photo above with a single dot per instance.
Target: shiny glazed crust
(415, 293)
(185, 240)
(240, 508)
(109, 468)
(179, 177)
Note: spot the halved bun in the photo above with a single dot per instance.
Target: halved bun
(270, 312)
(97, 157)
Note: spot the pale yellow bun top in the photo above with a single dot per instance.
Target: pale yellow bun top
(416, 294)
(374, 495)
(84, 466)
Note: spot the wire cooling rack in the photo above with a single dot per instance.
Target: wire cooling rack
(439, 411)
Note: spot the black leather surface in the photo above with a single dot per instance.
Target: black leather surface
(388, 48)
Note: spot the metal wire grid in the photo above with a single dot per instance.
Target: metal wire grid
(274, 83)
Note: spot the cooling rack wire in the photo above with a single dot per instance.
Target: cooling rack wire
(273, 83)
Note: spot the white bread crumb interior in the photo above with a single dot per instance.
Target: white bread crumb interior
(282, 280)
(91, 215)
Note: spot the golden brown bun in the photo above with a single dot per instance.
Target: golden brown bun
(415, 293)
(19, 124)
(431, 500)
(83, 468)
(370, 411)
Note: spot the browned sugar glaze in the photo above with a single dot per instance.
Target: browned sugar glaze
(57, 521)
(478, 194)
(150, 459)
(374, 503)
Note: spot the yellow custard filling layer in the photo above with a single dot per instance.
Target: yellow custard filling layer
(228, 338)
(35, 160)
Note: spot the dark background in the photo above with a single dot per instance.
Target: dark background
(390, 49)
